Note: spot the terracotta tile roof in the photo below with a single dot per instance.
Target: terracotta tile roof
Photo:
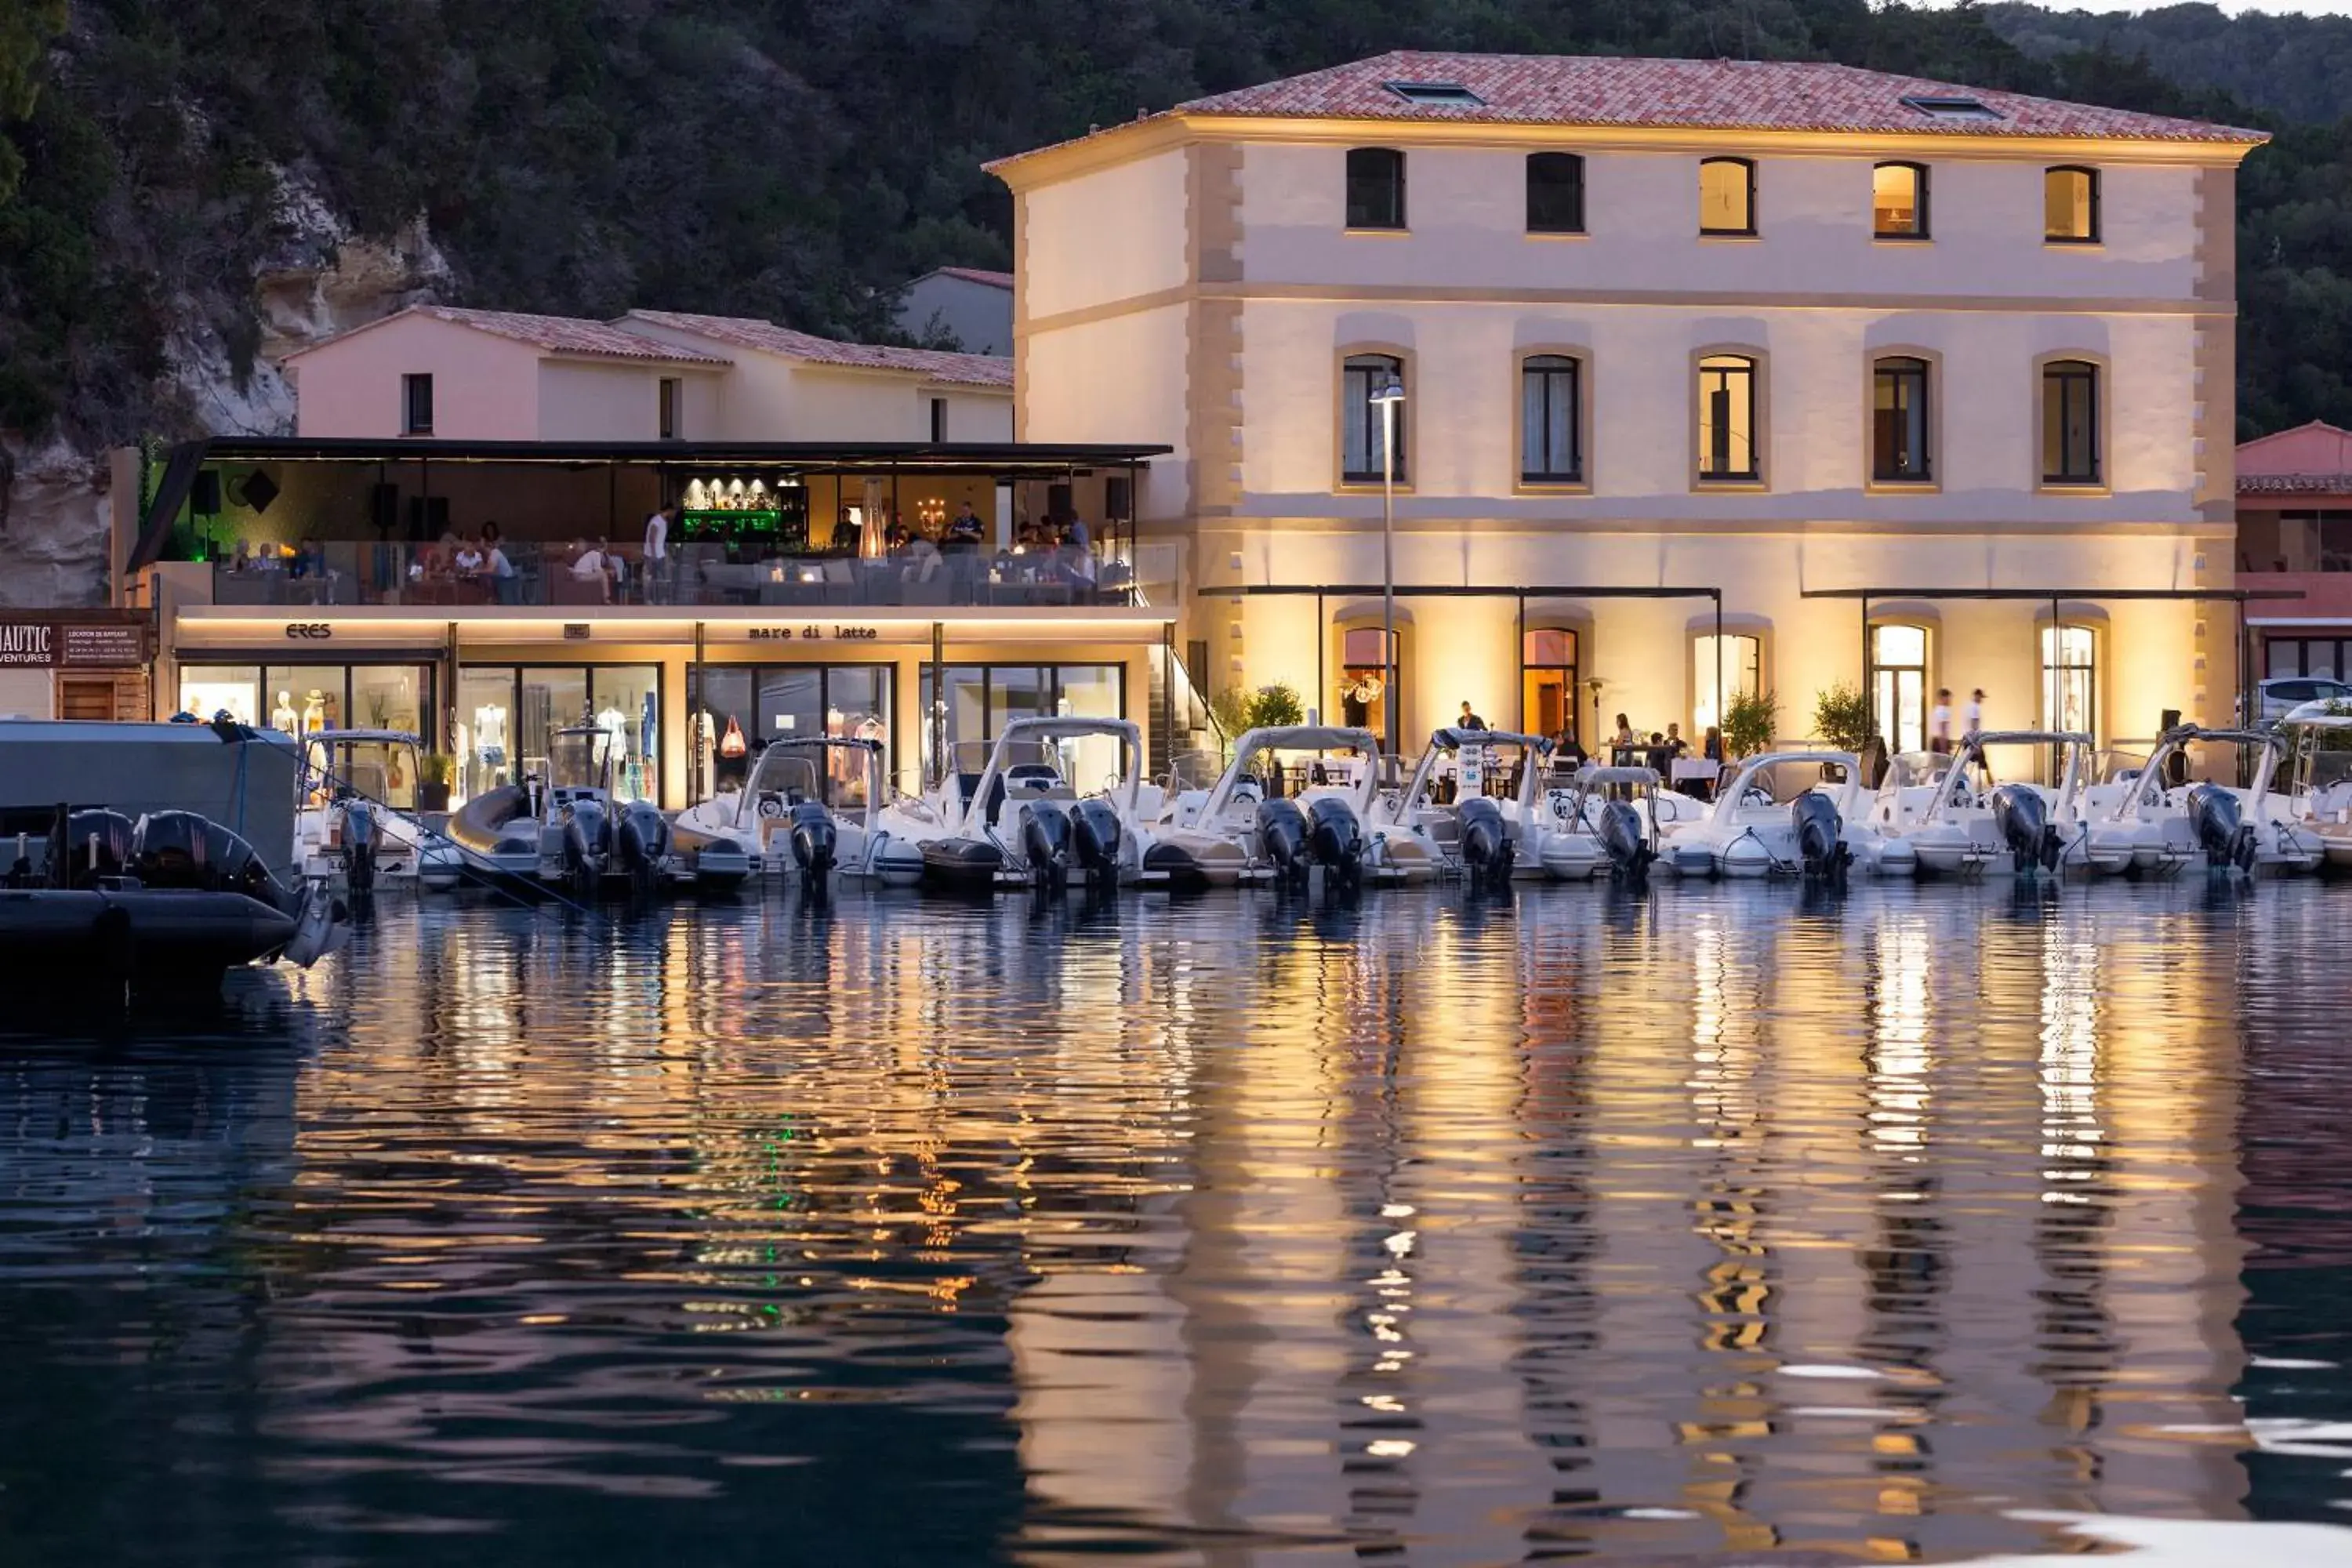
(748, 332)
(568, 335)
(977, 275)
(1699, 95)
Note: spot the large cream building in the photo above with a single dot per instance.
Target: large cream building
(1919, 385)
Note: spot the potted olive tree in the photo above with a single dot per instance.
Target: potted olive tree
(1749, 724)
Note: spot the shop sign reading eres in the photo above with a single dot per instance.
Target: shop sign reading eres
(814, 633)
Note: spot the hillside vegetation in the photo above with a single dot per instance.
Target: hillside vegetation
(793, 158)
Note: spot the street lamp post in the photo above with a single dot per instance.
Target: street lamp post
(1390, 397)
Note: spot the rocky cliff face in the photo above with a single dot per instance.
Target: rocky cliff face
(316, 279)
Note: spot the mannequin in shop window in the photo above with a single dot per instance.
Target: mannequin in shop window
(314, 712)
(284, 716)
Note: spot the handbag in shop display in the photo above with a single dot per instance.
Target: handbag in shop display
(731, 743)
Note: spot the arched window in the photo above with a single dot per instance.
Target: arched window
(1741, 668)
(1554, 192)
(2070, 205)
(1726, 417)
(1375, 188)
(1898, 201)
(1367, 681)
(1548, 689)
(2070, 423)
(1898, 686)
(1367, 423)
(1898, 421)
(2070, 679)
(1551, 419)
(1726, 196)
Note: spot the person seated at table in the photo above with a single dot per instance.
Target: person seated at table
(1675, 741)
(1711, 747)
(965, 531)
(466, 560)
(590, 566)
(241, 560)
(1566, 750)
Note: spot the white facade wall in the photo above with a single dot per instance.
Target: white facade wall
(1466, 215)
(1115, 234)
(1132, 344)
(579, 401)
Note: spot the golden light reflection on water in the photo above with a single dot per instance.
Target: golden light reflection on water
(1712, 1221)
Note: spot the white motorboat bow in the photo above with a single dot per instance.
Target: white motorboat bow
(357, 819)
(1019, 822)
(2320, 734)
(1268, 819)
(2171, 817)
(1958, 822)
(1475, 797)
(1797, 813)
(1613, 819)
(813, 802)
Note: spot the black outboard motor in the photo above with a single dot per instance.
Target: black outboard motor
(2023, 818)
(641, 839)
(1094, 831)
(1046, 843)
(1335, 840)
(182, 849)
(1821, 842)
(1626, 840)
(357, 821)
(1487, 846)
(587, 837)
(2220, 820)
(815, 841)
(87, 845)
(1282, 837)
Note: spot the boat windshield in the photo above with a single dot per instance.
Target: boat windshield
(832, 776)
(1778, 783)
(1489, 768)
(2118, 766)
(2325, 758)
(1194, 770)
(579, 759)
(1287, 771)
(373, 769)
(1916, 770)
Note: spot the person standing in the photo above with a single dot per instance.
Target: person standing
(1470, 720)
(1972, 722)
(658, 578)
(1939, 724)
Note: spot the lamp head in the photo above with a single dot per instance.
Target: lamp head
(1388, 391)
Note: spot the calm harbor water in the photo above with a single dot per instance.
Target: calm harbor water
(1708, 1225)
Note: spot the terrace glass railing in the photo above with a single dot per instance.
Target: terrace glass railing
(701, 576)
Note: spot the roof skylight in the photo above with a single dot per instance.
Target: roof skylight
(1950, 107)
(1436, 94)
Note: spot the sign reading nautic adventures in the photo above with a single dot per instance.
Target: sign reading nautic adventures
(91, 644)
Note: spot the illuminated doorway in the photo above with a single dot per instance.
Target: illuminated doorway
(1898, 686)
(1547, 696)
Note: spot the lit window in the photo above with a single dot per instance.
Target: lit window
(416, 406)
(1554, 192)
(1375, 188)
(2070, 207)
(1548, 686)
(2070, 423)
(1726, 196)
(1898, 686)
(1898, 421)
(2070, 684)
(1741, 670)
(1366, 423)
(1550, 420)
(1898, 201)
(1726, 417)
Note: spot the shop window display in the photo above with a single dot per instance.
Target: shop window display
(208, 690)
(975, 701)
(757, 705)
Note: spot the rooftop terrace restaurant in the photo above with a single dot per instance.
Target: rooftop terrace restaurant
(328, 584)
